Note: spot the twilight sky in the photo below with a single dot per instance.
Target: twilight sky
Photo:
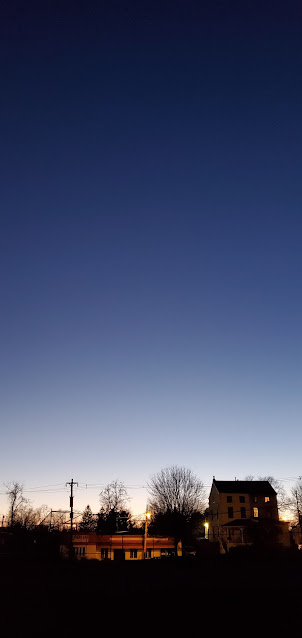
(150, 242)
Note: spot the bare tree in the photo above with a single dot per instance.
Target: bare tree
(21, 511)
(16, 500)
(114, 514)
(114, 497)
(59, 519)
(30, 517)
(176, 489)
(296, 501)
(177, 502)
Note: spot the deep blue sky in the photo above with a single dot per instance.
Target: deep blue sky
(150, 241)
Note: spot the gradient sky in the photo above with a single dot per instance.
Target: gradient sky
(150, 242)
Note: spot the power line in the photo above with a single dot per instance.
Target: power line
(61, 487)
(98, 485)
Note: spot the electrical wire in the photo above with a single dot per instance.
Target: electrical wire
(61, 487)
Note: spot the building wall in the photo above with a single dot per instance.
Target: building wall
(127, 547)
(267, 506)
(224, 508)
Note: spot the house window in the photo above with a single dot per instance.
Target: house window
(266, 499)
(149, 553)
(230, 512)
(241, 499)
(242, 512)
(80, 551)
(255, 512)
(104, 554)
(166, 552)
(229, 499)
(133, 553)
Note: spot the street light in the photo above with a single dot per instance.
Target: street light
(206, 525)
(148, 516)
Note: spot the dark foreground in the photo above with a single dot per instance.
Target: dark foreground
(253, 594)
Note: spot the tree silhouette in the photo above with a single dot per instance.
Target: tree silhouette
(114, 515)
(177, 501)
(88, 521)
(296, 501)
(16, 499)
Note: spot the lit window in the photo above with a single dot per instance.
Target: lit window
(104, 554)
(166, 552)
(266, 499)
(255, 512)
(133, 553)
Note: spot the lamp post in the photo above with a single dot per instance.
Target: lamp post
(206, 525)
(148, 516)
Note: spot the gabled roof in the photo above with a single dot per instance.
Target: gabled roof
(256, 488)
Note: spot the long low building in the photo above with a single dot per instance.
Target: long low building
(124, 546)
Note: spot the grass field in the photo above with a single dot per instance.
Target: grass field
(255, 594)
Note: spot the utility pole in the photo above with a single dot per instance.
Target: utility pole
(71, 483)
(148, 516)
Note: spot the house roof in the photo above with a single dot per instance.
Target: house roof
(256, 488)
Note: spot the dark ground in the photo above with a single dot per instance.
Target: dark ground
(252, 594)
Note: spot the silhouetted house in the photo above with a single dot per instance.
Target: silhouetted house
(245, 513)
(119, 546)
